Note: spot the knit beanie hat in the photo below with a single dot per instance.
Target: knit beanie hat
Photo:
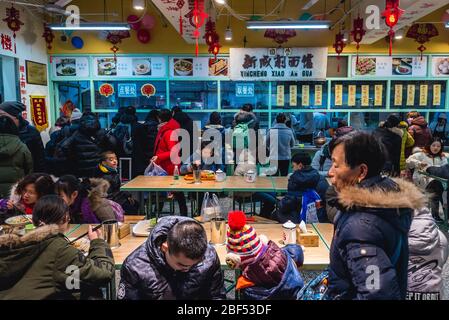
(243, 244)
(76, 114)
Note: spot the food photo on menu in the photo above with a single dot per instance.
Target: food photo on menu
(141, 66)
(183, 67)
(218, 67)
(442, 67)
(366, 66)
(402, 66)
(107, 67)
(66, 68)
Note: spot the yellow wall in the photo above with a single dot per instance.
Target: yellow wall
(168, 41)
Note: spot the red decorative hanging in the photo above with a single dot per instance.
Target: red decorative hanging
(210, 35)
(215, 49)
(180, 5)
(392, 13)
(197, 18)
(357, 34)
(106, 90)
(280, 36)
(13, 20)
(115, 38)
(48, 36)
(339, 45)
(422, 33)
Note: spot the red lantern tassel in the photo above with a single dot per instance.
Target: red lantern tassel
(391, 33)
(196, 47)
(180, 25)
(338, 66)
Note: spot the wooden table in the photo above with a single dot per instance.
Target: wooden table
(315, 258)
(326, 232)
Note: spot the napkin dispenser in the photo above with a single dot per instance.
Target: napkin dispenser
(307, 239)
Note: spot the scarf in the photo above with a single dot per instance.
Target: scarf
(106, 169)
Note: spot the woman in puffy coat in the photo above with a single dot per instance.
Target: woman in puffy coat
(369, 251)
(428, 249)
(419, 129)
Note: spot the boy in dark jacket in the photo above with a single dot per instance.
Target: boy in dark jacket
(107, 169)
(304, 177)
(168, 266)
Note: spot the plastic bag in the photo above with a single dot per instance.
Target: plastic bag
(118, 211)
(310, 206)
(211, 207)
(154, 170)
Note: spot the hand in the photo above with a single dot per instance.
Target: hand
(154, 159)
(92, 235)
(197, 162)
(10, 205)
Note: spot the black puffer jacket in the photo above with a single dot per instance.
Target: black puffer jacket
(81, 153)
(144, 136)
(146, 275)
(33, 140)
(371, 228)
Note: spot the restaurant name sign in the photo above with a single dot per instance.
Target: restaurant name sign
(263, 64)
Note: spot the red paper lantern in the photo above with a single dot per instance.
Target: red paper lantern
(197, 18)
(339, 45)
(13, 20)
(215, 49)
(392, 13)
(143, 35)
(357, 34)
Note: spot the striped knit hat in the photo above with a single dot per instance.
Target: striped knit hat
(243, 243)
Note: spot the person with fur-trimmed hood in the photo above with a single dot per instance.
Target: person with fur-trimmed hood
(268, 272)
(40, 264)
(369, 252)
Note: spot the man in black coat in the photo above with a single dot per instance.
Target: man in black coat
(27, 134)
(81, 153)
(168, 266)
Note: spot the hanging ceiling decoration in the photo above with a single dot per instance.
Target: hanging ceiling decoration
(357, 34)
(48, 36)
(115, 38)
(280, 36)
(197, 20)
(180, 4)
(13, 20)
(422, 33)
(392, 13)
(211, 34)
(338, 46)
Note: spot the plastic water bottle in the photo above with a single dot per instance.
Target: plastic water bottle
(176, 175)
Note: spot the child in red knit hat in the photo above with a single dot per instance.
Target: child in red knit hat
(268, 272)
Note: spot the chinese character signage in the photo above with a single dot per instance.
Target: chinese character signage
(398, 94)
(437, 94)
(8, 44)
(423, 95)
(199, 67)
(410, 95)
(386, 66)
(293, 95)
(351, 95)
(127, 90)
(305, 95)
(257, 64)
(378, 97)
(39, 112)
(318, 95)
(280, 96)
(338, 94)
(70, 67)
(138, 67)
(244, 90)
(365, 95)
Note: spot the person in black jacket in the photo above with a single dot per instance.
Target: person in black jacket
(27, 134)
(436, 189)
(369, 251)
(81, 153)
(176, 262)
(391, 136)
(304, 177)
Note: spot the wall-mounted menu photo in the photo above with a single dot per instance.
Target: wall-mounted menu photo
(440, 66)
(402, 66)
(141, 66)
(66, 67)
(183, 67)
(366, 66)
(107, 67)
(218, 67)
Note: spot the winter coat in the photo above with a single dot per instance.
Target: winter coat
(441, 131)
(414, 162)
(322, 156)
(442, 172)
(298, 183)
(15, 162)
(285, 141)
(420, 131)
(373, 220)
(82, 151)
(428, 252)
(36, 266)
(288, 282)
(392, 140)
(144, 136)
(145, 273)
(164, 145)
(33, 140)
(407, 142)
(93, 208)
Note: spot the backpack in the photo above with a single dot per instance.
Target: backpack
(240, 133)
(310, 206)
(123, 134)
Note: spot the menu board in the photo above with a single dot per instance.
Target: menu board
(398, 94)
(423, 92)
(365, 95)
(293, 95)
(70, 67)
(386, 66)
(436, 94)
(198, 67)
(318, 94)
(148, 67)
(338, 94)
(440, 66)
(280, 96)
(305, 95)
(378, 88)
(410, 95)
(352, 89)
(263, 64)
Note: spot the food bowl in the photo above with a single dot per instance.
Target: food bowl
(18, 221)
(183, 67)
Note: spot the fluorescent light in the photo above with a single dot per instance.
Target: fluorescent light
(398, 35)
(288, 24)
(220, 1)
(345, 36)
(228, 34)
(91, 26)
(139, 4)
(309, 4)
